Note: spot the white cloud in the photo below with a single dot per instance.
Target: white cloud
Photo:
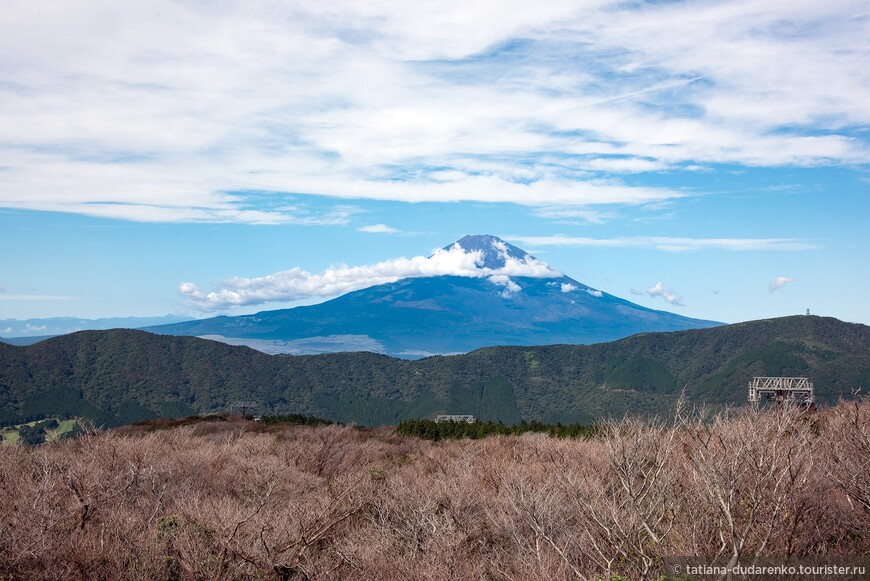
(188, 288)
(568, 287)
(511, 289)
(595, 293)
(668, 295)
(145, 111)
(670, 244)
(379, 229)
(297, 284)
(623, 165)
(778, 283)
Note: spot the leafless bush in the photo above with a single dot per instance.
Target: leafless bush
(749, 473)
(238, 501)
(846, 437)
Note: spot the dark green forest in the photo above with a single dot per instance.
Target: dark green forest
(453, 430)
(122, 376)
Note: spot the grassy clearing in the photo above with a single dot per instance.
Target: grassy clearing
(64, 427)
(11, 435)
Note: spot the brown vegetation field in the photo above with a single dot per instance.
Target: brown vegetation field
(237, 500)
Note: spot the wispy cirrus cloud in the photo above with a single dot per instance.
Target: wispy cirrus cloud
(379, 229)
(36, 297)
(297, 284)
(573, 215)
(183, 112)
(670, 244)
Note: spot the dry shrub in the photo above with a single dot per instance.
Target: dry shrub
(749, 474)
(234, 500)
(846, 436)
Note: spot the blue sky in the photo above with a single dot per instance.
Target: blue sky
(708, 158)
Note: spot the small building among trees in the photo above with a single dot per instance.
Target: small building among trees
(455, 418)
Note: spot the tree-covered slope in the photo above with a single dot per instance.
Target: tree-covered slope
(121, 376)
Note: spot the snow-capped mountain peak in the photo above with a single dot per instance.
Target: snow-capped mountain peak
(499, 256)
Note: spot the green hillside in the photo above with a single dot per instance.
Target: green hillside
(122, 376)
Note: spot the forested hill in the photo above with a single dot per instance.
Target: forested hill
(121, 376)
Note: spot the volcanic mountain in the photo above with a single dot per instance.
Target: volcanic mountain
(508, 298)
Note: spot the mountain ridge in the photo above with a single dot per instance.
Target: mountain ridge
(122, 376)
(18, 331)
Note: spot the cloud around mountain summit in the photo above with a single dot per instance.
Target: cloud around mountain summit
(297, 284)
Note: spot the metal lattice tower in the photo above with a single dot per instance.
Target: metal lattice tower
(782, 389)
